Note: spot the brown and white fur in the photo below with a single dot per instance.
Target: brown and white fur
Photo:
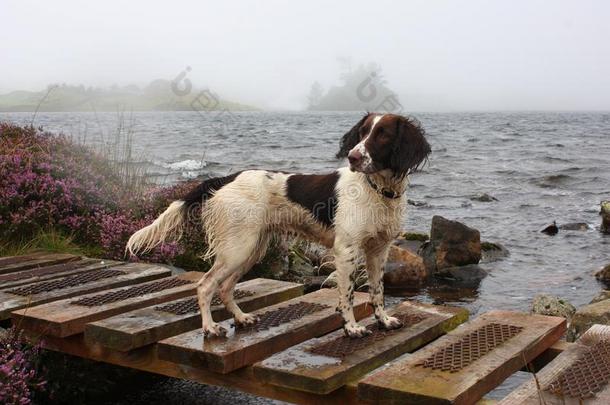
(356, 211)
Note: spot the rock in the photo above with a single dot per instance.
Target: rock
(490, 252)
(417, 203)
(469, 275)
(604, 274)
(484, 197)
(545, 304)
(587, 316)
(603, 295)
(451, 244)
(605, 213)
(574, 226)
(551, 229)
(403, 268)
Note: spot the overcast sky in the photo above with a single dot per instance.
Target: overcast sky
(437, 55)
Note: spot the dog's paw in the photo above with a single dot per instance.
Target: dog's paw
(245, 320)
(356, 331)
(214, 330)
(389, 322)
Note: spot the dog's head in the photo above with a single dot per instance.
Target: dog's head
(385, 141)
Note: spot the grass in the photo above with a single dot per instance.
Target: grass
(48, 241)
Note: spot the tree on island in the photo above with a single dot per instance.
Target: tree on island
(363, 88)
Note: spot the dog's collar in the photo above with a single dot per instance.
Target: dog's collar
(381, 190)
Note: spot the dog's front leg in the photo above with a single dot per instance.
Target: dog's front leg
(345, 264)
(375, 261)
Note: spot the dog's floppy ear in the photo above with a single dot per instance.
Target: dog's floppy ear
(351, 138)
(411, 149)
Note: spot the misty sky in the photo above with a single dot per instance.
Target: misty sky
(437, 55)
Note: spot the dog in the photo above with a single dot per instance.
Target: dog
(355, 210)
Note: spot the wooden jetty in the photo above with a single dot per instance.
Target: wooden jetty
(144, 317)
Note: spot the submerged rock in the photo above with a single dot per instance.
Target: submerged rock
(587, 316)
(490, 252)
(451, 244)
(574, 226)
(605, 213)
(551, 229)
(469, 275)
(545, 304)
(484, 197)
(603, 295)
(403, 268)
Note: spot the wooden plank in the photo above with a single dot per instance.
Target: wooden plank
(244, 347)
(13, 264)
(69, 316)
(137, 328)
(56, 271)
(579, 375)
(468, 362)
(145, 358)
(30, 295)
(322, 365)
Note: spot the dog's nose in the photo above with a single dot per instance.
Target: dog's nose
(354, 157)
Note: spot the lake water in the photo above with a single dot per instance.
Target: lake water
(539, 166)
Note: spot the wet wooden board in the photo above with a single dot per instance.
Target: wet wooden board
(55, 271)
(579, 375)
(18, 263)
(69, 316)
(137, 328)
(244, 347)
(133, 273)
(322, 365)
(468, 362)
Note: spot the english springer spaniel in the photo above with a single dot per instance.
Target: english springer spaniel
(354, 210)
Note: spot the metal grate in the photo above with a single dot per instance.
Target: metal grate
(191, 305)
(66, 282)
(471, 347)
(344, 346)
(132, 292)
(282, 315)
(588, 375)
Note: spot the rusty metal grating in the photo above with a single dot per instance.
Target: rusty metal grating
(588, 375)
(191, 305)
(282, 315)
(344, 346)
(66, 282)
(131, 292)
(471, 347)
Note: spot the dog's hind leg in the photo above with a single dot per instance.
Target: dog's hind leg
(226, 292)
(230, 262)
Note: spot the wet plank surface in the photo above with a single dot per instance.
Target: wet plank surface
(322, 365)
(465, 364)
(69, 316)
(579, 375)
(18, 263)
(312, 315)
(137, 328)
(30, 295)
(55, 271)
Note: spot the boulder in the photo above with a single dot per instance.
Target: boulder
(586, 317)
(603, 295)
(605, 213)
(451, 244)
(403, 268)
(463, 276)
(603, 274)
(545, 304)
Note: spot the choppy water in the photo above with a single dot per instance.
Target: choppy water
(540, 166)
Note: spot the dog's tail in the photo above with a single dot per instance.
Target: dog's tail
(168, 225)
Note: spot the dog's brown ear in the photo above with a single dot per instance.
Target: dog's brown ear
(411, 148)
(351, 138)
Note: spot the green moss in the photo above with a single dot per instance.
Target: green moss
(487, 246)
(422, 237)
